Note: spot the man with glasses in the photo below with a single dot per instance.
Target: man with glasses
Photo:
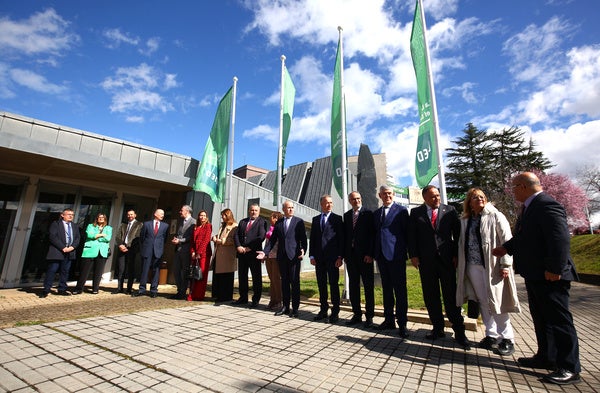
(64, 238)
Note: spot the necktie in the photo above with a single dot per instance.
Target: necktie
(69, 235)
(286, 224)
(323, 221)
(434, 214)
(354, 218)
(250, 221)
(127, 231)
(155, 228)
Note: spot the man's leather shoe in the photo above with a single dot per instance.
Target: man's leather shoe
(463, 342)
(63, 293)
(334, 318)
(76, 292)
(368, 323)
(536, 362)
(562, 377)
(283, 311)
(403, 332)
(153, 295)
(432, 335)
(239, 302)
(354, 320)
(385, 325)
(43, 295)
(294, 314)
(177, 296)
(253, 305)
(138, 293)
(320, 316)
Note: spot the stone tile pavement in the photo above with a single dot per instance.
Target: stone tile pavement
(222, 348)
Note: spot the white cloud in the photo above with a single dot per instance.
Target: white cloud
(35, 82)
(115, 37)
(152, 46)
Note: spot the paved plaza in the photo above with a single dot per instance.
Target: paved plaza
(197, 347)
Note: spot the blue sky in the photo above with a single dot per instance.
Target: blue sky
(152, 72)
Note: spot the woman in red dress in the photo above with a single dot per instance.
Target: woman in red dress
(202, 251)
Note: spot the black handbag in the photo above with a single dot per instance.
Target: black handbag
(473, 309)
(195, 271)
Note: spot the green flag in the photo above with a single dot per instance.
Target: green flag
(289, 93)
(336, 125)
(213, 169)
(426, 162)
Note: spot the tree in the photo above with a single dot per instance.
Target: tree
(571, 196)
(588, 177)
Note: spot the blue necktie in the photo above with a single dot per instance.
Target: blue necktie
(69, 235)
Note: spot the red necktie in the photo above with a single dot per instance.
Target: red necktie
(155, 228)
(434, 213)
(249, 225)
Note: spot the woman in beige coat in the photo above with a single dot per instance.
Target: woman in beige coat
(483, 277)
(225, 258)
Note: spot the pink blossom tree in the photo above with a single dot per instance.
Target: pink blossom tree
(571, 196)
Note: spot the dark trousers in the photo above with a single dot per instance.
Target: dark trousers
(181, 270)
(357, 270)
(328, 273)
(149, 264)
(57, 265)
(393, 284)
(553, 322)
(222, 286)
(290, 277)
(434, 274)
(96, 265)
(126, 263)
(245, 262)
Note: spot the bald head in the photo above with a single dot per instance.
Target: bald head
(525, 185)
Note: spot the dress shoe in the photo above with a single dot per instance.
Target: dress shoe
(463, 342)
(368, 323)
(282, 311)
(562, 377)
(153, 295)
(43, 295)
(294, 314)
(63, 293)
(76, 292)
(94, 292)
(128, 292)
(505, 348)
(488, 343)
(354, 320)
(433, 334)
(320, 316)
(536, 362)
(239, 302)
(403, 332)
(137, 294)
(386, 325)
(334, 318)
(253, 305)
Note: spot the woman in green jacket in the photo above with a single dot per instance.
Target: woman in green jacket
(95, 253)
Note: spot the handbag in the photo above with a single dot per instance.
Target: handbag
(195, 271)
(473, 309)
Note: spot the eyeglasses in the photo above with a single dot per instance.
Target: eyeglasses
(475, 197)
(516, 185)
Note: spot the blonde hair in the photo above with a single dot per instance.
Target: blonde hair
(467, 211)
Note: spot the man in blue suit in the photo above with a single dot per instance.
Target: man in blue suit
(434, 229)
(290, 235)
(391, 222)
(540, 247)
(152, 240)
(326, 250)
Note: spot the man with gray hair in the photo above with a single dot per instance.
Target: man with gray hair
(182, 259)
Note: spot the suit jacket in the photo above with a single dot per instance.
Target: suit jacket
(361, 237)
(94, 246)
(185, 233)
(541, 241)
(290, 242)
(254, 237)
(327, 244)
(58, 240)
(132, 237)
(390, 233)
(153, 245)
(426, 242)
(225, 252)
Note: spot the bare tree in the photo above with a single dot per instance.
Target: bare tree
(588, 178)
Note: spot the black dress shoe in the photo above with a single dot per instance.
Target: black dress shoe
(354, 320)
(368, 323)
(294, 314)
(153, 295)
(253, 305)
(432, 335)
(43, 295)
(138, 293)
(562, 377)
(239, 302)
(386, 325)
(63, 293)
(464, 342)
(334, 318)
(76, 292)
(320, 316)
(283, 311)
(536, 362)
(403, 332)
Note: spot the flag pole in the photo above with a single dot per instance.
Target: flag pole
(343, 118)
(280, 146)
(434, 115)
(231, 142)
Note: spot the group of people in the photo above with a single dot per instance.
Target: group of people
(473, 257)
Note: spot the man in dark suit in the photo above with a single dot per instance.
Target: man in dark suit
(540, 247)
(152, 240)
(182, 258)
(128, 241)
(358, 255)
(433, 234)
(248, 241)
(290, 235)
(391, 224)
(326, 250)
(64, 238)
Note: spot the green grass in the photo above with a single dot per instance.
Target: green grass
(585, 250)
